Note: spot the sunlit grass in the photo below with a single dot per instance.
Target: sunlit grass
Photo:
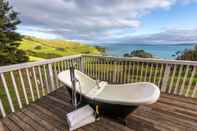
(39, 49)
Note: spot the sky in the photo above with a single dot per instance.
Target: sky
(109, 21)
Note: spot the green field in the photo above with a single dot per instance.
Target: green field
(38, 49)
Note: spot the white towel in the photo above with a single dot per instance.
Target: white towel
(77, 116)
(84, 122)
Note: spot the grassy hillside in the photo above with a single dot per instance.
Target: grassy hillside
(38, 49)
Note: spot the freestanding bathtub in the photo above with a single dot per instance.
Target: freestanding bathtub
(112, 98)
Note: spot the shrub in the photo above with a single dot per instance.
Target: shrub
(138, 53)
(100, 49)
(60, 49)
(38, 47)
(85, 52)
(188, 54)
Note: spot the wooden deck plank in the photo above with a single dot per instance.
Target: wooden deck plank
(45, 111)
(23, 125)
(181, 98)
(45, 117)
(144, 124)
(170, 113)
(53, 110)
(159, 120)
(186, 114)
(115, 125)
(3, 127)
(11, 125)
(43, 122)
(34, 124)
(58, 109)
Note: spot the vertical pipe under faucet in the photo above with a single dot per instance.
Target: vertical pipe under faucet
(73, 80)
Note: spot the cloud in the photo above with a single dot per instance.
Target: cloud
(170, 35)
(84, 17)
(85, 20)
(188, 1)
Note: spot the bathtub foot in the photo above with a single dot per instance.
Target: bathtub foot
(125, 122)
(121, 121)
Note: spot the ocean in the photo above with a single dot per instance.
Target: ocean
(165, 51)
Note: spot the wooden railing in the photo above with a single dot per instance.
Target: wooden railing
(172, 76)
(22, 84)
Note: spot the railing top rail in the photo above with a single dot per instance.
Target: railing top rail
(37, 63)
(149, 60)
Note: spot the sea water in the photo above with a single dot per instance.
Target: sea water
(165, 51)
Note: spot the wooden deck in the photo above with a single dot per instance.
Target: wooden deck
(170, 113)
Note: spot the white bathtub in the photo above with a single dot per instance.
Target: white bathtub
(132, 94)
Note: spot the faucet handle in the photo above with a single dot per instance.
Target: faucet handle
(98, 81)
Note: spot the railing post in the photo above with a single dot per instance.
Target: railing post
(41, 81)
(178, 79)
(30, 84)
(190, 82)
(16, 90)
(35, 78)
(23, 86)
(184, 80)
(165, 78)
(81, 64)
(46, 79)
(114, 72)
(7, 93)
(51, 76)
(2, 109)
(194, 91)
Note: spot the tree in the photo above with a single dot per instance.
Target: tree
(188, 54)
(139, 53)
(9, 39)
